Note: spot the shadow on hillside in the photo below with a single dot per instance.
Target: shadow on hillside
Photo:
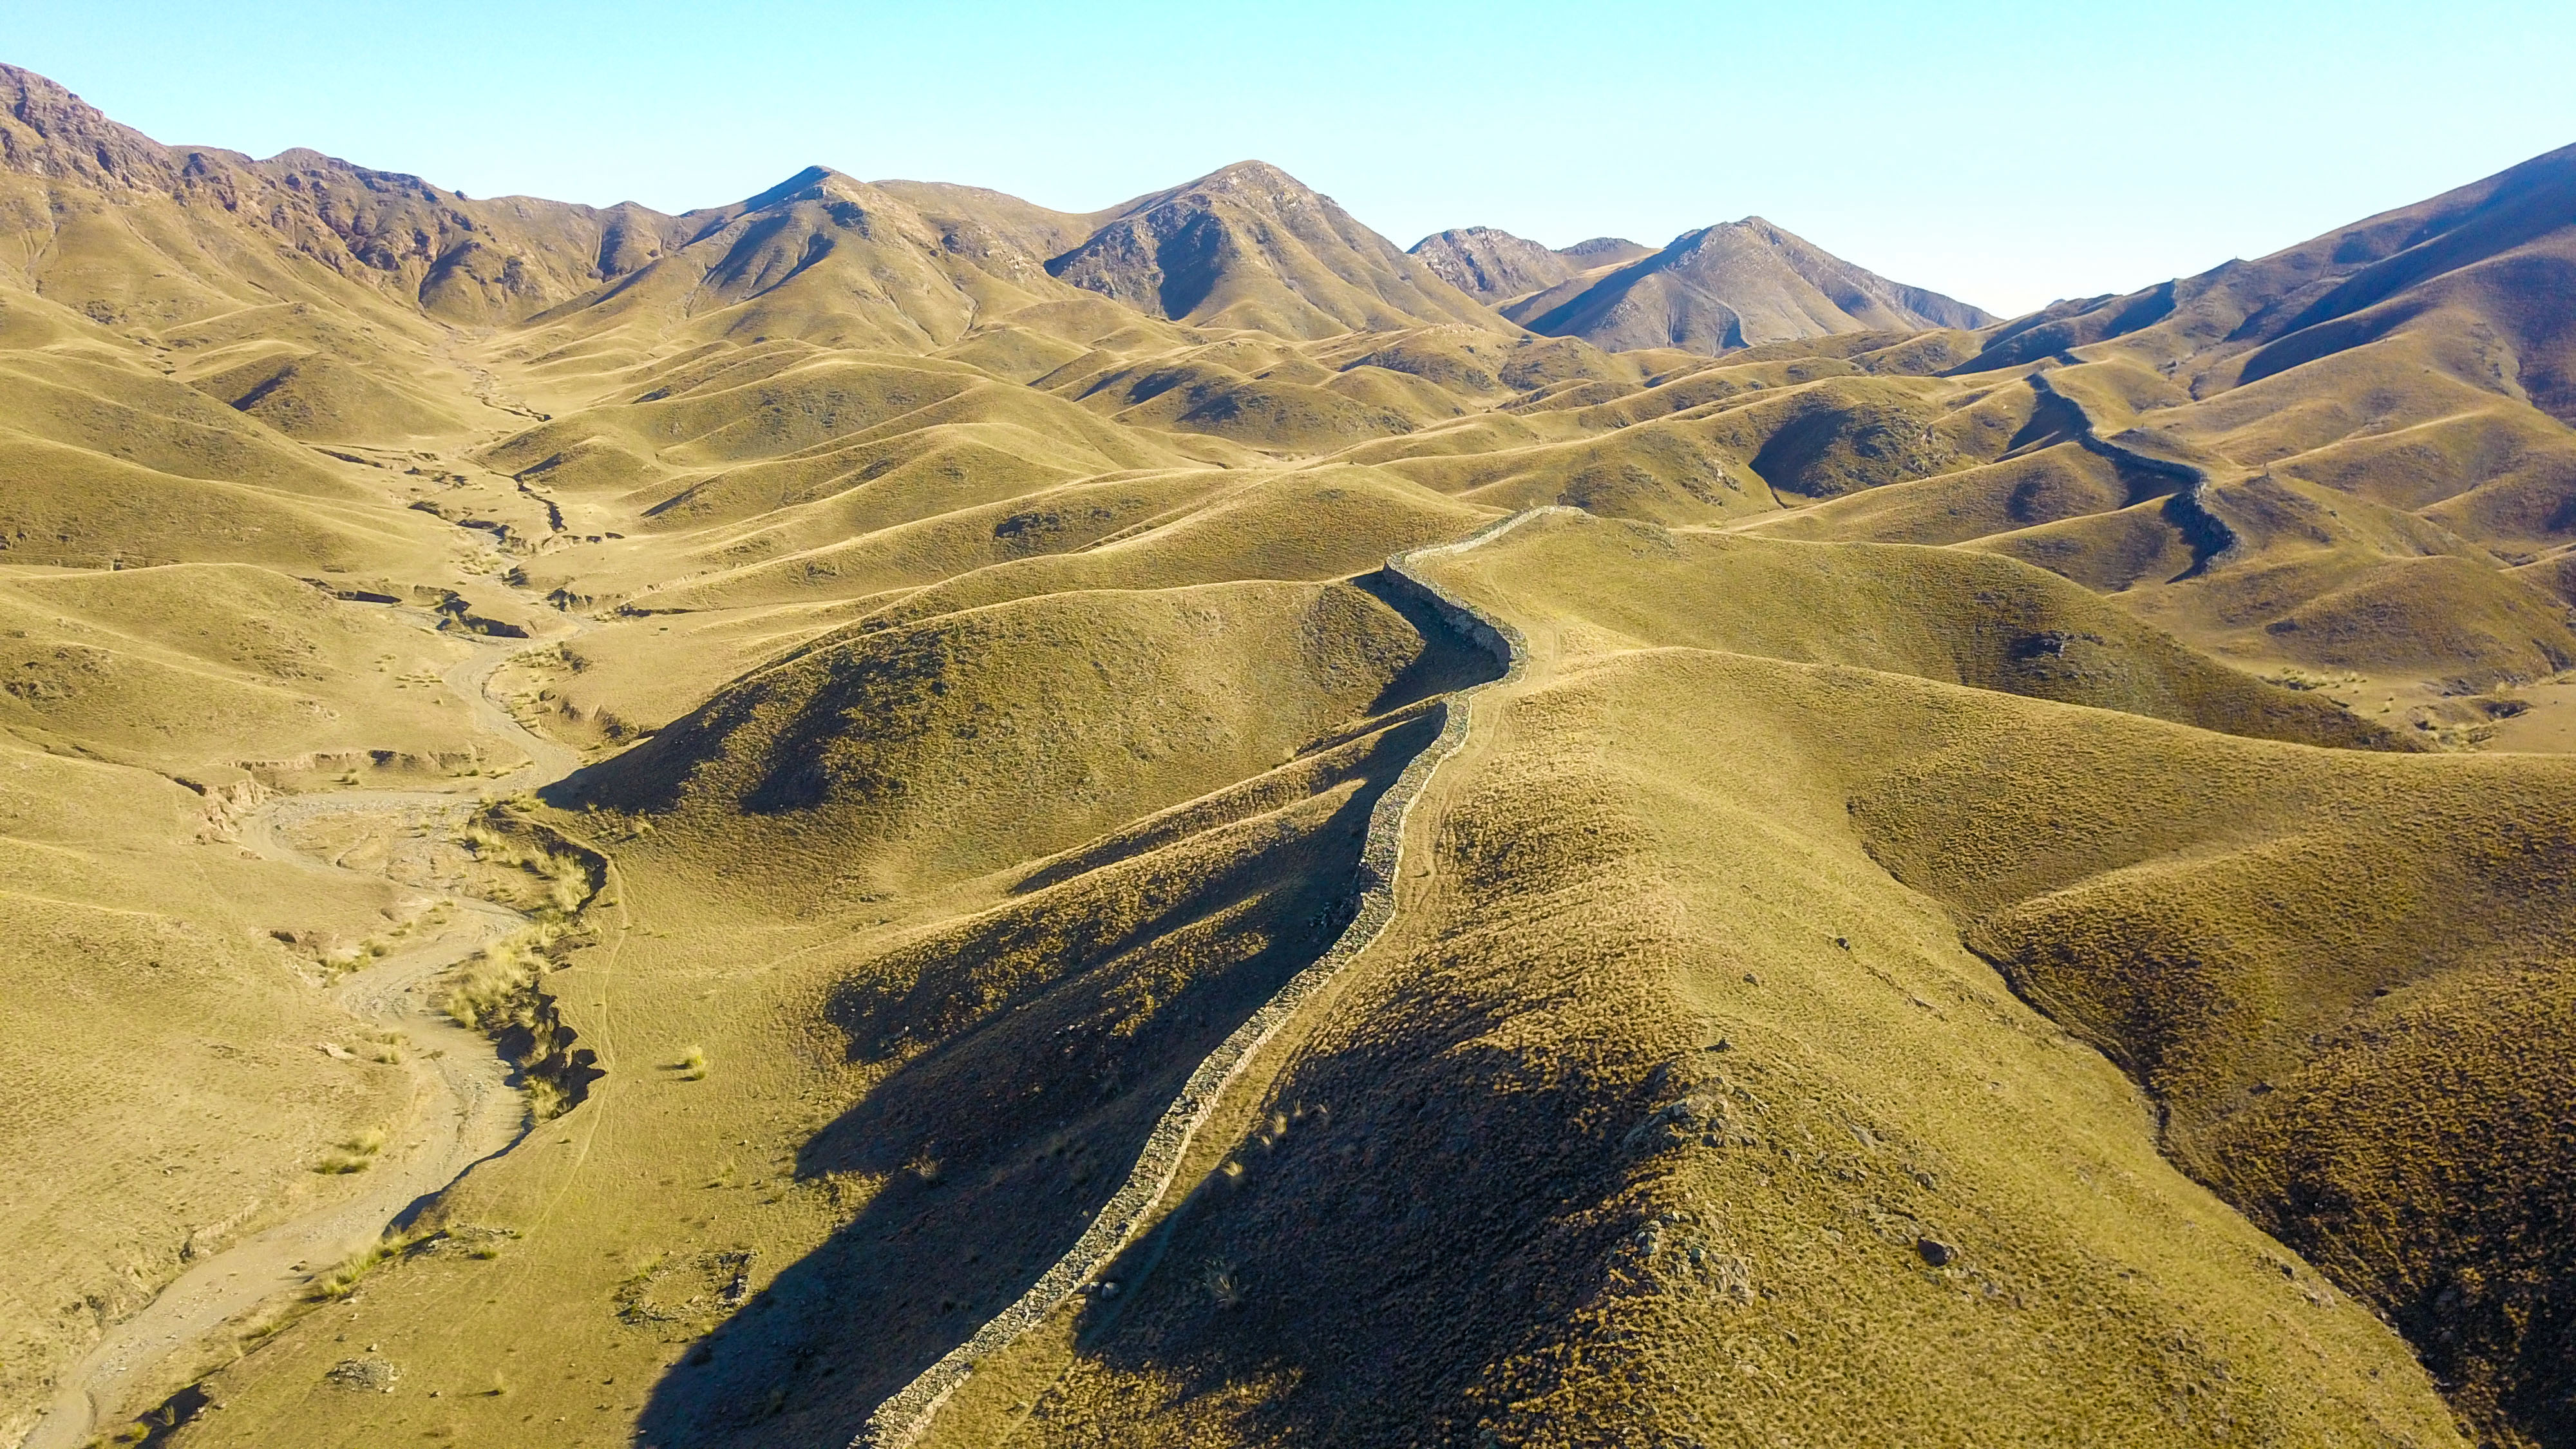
(1414, 1237)
(1031, 1051)
(1456, 665)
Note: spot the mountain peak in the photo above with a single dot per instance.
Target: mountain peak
(1258, 176)
(1494, 266)
(1249, 245)
(810, 182)
(1734, 284)
(46, 130)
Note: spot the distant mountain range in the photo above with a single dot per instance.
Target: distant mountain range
(799, 772)
(1246, 247)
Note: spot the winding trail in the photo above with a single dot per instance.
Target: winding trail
(465, 1108)
(907, 1414)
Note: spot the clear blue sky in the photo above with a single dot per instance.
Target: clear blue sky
(2005, 152)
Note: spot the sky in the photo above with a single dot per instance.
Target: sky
(2006, 153)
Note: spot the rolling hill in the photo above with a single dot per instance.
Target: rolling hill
(642, 828)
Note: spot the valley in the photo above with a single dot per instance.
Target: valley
(882, 815)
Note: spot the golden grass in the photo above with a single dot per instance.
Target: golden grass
(1005, 746)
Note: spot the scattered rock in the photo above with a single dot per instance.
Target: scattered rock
(364, 1375)
(1675, 1122)
(1935, 1252)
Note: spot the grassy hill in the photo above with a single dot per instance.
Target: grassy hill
(2015, 896)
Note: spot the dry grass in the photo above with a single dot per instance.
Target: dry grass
(356, 1154)
(493, 988)
(958, 818)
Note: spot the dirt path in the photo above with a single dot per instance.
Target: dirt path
(465, 1108)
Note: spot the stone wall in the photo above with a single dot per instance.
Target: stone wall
(902, 1418)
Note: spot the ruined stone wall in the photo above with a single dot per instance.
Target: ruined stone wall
(902, 1418)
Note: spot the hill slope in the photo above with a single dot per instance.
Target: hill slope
(1251, 246)
(1736, 284)
(1495, 266)
(1995, 911)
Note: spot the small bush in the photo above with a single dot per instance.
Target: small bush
(491, 988)
(340, 1281)
(1218, 1276)
(692, 1064)
(355, 1155)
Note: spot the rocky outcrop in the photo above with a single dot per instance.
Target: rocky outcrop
(468, 261)
(1494, 266)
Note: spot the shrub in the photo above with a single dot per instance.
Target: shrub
(354, 1155)
(1217, 1275)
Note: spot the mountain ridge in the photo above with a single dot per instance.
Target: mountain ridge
(2040, 845)
(1248, 245)
(1732, 285)
(1494, 266)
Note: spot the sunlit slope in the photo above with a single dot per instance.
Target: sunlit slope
(2486, 252)
(1289, 398)
(911, 554)
(1250, 246)
(165, 1045)
(820, 257)
(1667, 1114)
(956, 600)
(148, 235)
(896, 759)
(111, 462)
(2314, 969)
(1941, 614)
(2330, 457)
(2240, 925)
(675, 645)
(784, 458)
(1706, 443)
(1496, 267)
(210, 670)
(973, 1058)
(1319, 524)
(1737, 284)
(313, 395)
